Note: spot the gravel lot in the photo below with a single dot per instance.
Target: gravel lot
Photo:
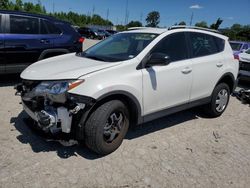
(182, 150)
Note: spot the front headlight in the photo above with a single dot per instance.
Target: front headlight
(57, 87)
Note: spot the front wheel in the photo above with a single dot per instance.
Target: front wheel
(219, 101)
(106, 127)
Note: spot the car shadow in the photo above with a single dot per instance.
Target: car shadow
(9, 80)
(44, 142)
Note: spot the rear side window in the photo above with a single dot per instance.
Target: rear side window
(49, 28)
(220, 44)
(23, 25)
(203, 44)
(174, 46)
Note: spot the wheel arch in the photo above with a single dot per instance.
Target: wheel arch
(229, 79)
(130, 101)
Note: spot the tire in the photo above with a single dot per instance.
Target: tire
(106, 127)
(219, 100)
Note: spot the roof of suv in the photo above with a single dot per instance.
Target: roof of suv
(31, 14)
(176, 28)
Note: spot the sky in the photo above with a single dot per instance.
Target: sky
(171, 11)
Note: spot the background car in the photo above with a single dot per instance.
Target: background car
(112, 32)
(106, 33)
(91, 33)
(244, 72)
(26, 38)
(238, 47)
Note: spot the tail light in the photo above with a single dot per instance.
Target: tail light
(236, 57)
(81, 40)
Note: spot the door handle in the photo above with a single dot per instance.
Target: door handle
(219, 65)
(44, 41)
(187, 70)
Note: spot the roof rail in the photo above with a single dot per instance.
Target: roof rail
(193, 27)
(137, 28)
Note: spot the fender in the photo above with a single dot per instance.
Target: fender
(58, 50)
(229, 74)
(129, 96)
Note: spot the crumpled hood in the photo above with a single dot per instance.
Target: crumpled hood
(63, 67)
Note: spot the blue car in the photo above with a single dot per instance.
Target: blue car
(26, 38)
(239, 47)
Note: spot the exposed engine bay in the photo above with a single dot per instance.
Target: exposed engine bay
(50, 105)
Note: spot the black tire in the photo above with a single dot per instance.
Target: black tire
(212, 109)
(96, 138)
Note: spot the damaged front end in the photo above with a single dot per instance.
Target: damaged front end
(51, 105)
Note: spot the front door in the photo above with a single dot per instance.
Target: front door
(168, 86)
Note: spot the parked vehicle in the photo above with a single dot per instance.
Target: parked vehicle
(104, 32)
(112, 32)
(26, 38)
(91, 33)
(130, 78)
(239, 47)
(244, 72)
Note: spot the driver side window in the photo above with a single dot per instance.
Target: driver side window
(174, 46)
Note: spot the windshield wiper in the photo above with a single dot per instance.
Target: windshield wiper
(84, 54)
(94, 57)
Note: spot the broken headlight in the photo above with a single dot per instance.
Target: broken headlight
(56, 87)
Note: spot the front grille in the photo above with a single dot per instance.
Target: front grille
(244, 66)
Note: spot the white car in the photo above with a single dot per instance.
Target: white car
(128, 79)
(244, 58)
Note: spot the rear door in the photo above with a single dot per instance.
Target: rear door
(208, 63)
(2, 57)
(23, 42)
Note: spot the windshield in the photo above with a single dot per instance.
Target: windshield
(248, 51)
(119, 47)
(235, 46)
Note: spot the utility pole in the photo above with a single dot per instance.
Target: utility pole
(191, 19)
(141, 17)
(93, 10)
(53, 6)
(108, 14)
(126, 14)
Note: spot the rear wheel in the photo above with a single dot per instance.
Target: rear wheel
(219, 101)
(106, 127)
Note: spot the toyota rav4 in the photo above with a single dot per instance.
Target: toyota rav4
(130, 78)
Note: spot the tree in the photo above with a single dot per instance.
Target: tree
(4, 4)
(18, 5)
(153, 19)
(134, 24)
(217, 24)
(201, 24)
(182, 23)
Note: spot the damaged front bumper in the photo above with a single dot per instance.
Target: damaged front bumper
(52, 112)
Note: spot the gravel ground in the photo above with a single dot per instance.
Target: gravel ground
(182, 150)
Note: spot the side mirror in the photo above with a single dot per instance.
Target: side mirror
(158, 59)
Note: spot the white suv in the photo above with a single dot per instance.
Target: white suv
(130, 78)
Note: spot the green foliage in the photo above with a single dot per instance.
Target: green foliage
(182, 23)
(121, 28)
(238, 32)
(153, 19)
(134, 24)
(74, 18)
(201, 24)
